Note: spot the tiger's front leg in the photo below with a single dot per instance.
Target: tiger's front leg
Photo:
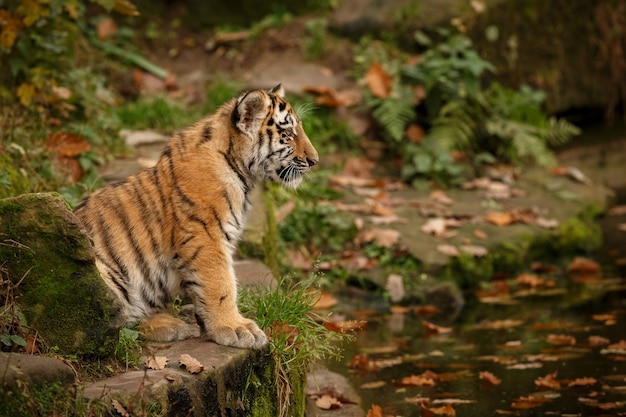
(213, 288)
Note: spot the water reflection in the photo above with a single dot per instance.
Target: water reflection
(555, 353)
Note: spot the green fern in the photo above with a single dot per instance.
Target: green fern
(456, 125)
(560, 131)
(393, 114)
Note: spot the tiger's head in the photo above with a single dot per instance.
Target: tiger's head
(281, 151)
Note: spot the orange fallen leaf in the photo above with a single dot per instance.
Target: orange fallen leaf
(499, 218)
(415, 133)
(418, 381)
(345, 326)
(446, 410)
(378, 80)
(426, 310)
(433, 328)
(31, 344)
(399, 309)
(375, 411)
(66, 144)
(583, 265)
(479, 234)
(382, 237)
(490, 378)
(325, 301)
(582, 382)
(523, 403)
(561, 339)
(598, 341)
(106, 28)
(548, 381)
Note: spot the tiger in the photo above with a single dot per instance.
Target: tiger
(172, 229)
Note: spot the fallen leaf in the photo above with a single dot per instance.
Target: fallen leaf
(426, 311)
(375, 411)
(325, 301)
(523, 403)
(31, 344)
(345, 326)
(106, 28)
(489, 378)
(192, 365)
(449, 250)
(284, 331)
(373, 385)
(66, 144)
(433, 328)
(446, 410)
(119, 408)
(441, 197)
(326, 402)
(583, 265)
(617, 210)
(548, 381)
(385, 238)
(582, 382)
(423, 380)
(479, 234)
(474, 250)
(561, 339)
(414, 133)
(596, 341)
(156, 362)
(378, 80)
(547, 223)
(499, 218)
(435, 226)
(299, 260)
(399, 309)
(395, 287)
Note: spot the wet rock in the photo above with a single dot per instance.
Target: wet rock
(58, 288)
(32, 370)
(233, 382)
(320, 379)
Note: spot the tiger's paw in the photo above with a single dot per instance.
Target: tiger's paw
(165, 328)
(245, 334)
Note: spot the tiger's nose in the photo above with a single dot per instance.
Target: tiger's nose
(311, 161)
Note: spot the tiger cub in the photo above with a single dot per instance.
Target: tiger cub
(172, 229)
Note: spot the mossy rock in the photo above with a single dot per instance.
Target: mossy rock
(59, 288)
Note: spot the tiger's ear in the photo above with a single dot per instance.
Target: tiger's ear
(250, 111)
(278, 90)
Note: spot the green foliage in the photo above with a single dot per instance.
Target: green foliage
(13, 324)
(495, 123)
(128, 349)
(296, 337)
(155, 112)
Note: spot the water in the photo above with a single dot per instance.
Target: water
(515, 342)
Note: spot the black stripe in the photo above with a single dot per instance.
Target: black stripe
(230, 208)
(282, 106)
(219, 223)
(207, 134)
(189, 283)
(167, 152)
(81, 204)
(233, 165)
(115, 276)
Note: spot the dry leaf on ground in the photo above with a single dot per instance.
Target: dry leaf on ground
(190, 363)
(449, 250)
(156, 362)
(382, 237)
(327, 402)
(345, 326)
(325, 301)
(435, 226)
(474, 250)
(583, 265)
(119, 408)
(378, 80)
(499, 218)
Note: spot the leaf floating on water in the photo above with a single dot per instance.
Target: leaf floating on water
(156, 362)
(427, 379)
(489, 378)
(549, 381)
(373, 385)
(433, 328)
(325, 301)
(582, 382)
(561, 339)
(446, 410)
(596, 341)
(190, 363)
(524, 403)
(375, 411)
(345, 326)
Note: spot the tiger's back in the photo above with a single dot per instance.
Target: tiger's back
(172, 229)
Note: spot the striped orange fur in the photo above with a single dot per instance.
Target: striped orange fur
(173, 228)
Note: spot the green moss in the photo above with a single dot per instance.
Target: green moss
(61, 293)
(12, 181)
